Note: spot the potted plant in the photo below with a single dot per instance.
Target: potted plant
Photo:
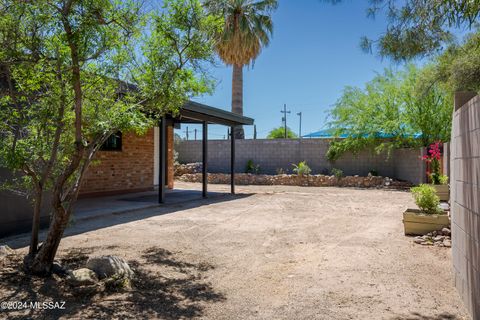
(429, 217)
(439, 181)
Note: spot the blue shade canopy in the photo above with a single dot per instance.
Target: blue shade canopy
(330, 134)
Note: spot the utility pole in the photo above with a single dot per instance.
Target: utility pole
(195, 134)
(284, 118)
(254, 132)
(186, 132)
(300, 128)
(228, 134)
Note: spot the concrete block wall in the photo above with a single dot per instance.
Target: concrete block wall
(465, 199)
(408, 165)
(16, 210)
(272, 155)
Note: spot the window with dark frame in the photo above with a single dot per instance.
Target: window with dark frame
(113, 143)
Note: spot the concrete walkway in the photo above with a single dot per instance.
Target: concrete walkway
(89, 208)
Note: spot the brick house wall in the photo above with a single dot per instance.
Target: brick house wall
(128, 170)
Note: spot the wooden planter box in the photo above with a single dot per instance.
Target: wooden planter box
(417, 223)
(443, 192)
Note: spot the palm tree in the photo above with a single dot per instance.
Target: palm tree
(247, 29)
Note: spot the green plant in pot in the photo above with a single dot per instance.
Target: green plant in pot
(429, 217)
(439, 181)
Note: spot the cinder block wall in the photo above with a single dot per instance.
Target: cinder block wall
(272, 155)
(465, 199)
(127, 170)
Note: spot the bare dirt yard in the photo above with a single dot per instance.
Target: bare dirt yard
(271, 252)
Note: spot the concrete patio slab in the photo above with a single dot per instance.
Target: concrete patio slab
(90, 208)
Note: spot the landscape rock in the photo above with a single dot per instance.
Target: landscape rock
(418, 240)
(82, 277)
(446, 232)
(59, 270)
(189, 168)
(319, 180)
(108, 266)
(439, 238)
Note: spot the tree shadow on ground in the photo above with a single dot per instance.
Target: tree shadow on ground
(164, 287)
(418, 316)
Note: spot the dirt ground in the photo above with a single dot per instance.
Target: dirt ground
(271, 252)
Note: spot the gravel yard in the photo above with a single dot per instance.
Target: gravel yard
(271, 252)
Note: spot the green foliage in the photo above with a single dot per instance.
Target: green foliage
(247, 27)
(301, 168)
(252, 167)
(458, 68)
(443, 179)
(279, 133)
(393, 105)
(280, 171)
(418, 28)
(74, 72)
(373, 172)
(113, 41)
(426, 199)
(338, 173)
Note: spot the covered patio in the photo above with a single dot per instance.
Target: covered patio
(196, 113)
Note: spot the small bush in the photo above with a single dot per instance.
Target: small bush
(373, 172)
(443, 179)
(280, 171)
(337, 173)
(302, 168)
(426, 199)
(252, 167)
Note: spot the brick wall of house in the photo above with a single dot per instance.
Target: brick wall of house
(121, 171)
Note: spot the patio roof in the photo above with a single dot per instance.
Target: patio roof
(194, 112)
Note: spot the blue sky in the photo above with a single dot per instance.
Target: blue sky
(313, 55)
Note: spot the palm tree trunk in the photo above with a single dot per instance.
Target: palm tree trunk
(237, 97)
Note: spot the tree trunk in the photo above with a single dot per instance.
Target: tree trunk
(36, 222)
(42, 263)
(237, 97)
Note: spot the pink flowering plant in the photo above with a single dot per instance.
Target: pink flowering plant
(433, 158)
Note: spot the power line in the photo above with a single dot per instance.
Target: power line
(284, 118)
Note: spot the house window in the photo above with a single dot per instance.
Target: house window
(113, 143)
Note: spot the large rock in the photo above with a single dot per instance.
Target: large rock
(108, 266)
(82, 277)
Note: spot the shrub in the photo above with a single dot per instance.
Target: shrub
(280, 171)
(433, 158)
(426, 199)
(252, 167)
(373, 172)
(302, 168)
(443, 179)
(337, 173)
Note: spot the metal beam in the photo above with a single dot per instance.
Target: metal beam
(205, 159)
(232, 160)
(162, 159)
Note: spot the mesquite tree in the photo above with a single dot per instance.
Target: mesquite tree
(74, 72)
